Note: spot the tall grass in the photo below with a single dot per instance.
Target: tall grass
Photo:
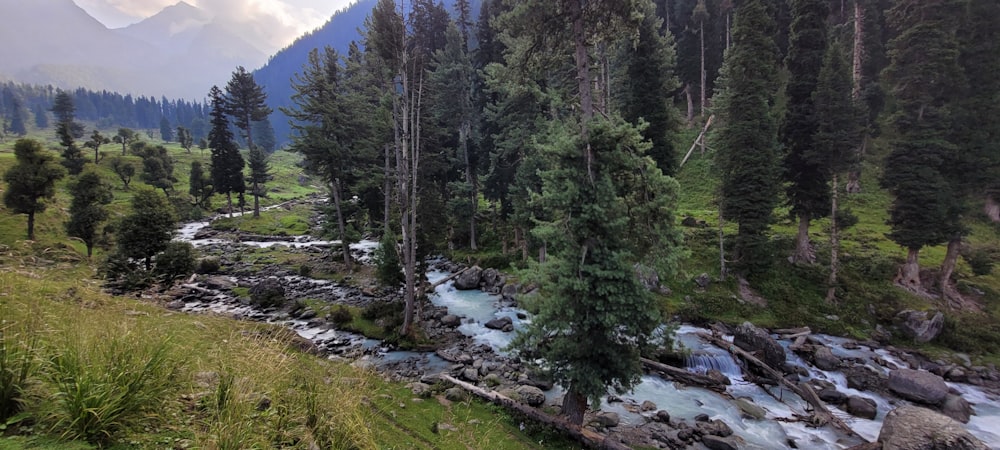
(106, 383)
(18, 365)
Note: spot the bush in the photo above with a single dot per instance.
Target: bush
(120, 272)
(208, 264)
(267, 293)
(388, 270)
(981, 258)
(341, 315)
(177, 261)
(305, 270)
(108, 384)
(387, 315)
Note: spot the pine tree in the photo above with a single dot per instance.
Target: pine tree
(166, 131)
(125, 137)
(87, 211)
(245, 101)
(200, 186)
(41, 117)
(185, 138)
(924, 80)
(148, 229)
(746, 138)
(96, 141)
(260, 173)
(31, 181)
(227, 162)
(807, 189)
(67, 129)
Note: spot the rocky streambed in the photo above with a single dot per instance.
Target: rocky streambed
(879, 392)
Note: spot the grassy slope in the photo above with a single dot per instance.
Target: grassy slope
(47, 287)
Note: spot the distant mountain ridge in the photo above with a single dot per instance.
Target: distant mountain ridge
(180, 52)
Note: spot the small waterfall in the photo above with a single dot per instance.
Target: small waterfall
(702, 362)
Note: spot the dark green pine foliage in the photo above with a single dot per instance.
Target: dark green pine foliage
(15, 112)
(980, 58)
(31, 181)
(746, 140)
(596, 316)
(125, 137)
(260, 172)
(87, 211)
(647, 87)
(41, 116)
(96, 141)
(157, 166)
(148, 229)
(807, 190)
(227, 162)
(166, 131)
(185, 138)
(838, 117)
(924, 82)
(263, 133)
(68, 130)
(246, 102)
(200, 186)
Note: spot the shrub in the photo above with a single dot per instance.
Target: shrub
(121, 272)
(341, 315)
(177, 261)
(305, 270)
(18, 345)
(388, 270)
(981, 258)
(208, 264)
(387, 315)
(108, 384)
(267, 293)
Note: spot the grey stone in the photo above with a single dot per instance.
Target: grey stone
(824, 359)
(499, 323)
(863, 407)
(175, 304)
(917, 326)
(647, 406)
(756, 340)
(956, 407)
(471, 374)
(832, 396)
(451, 320)
(714, 427)
(918, 386)
(750, 409)
(702, 280)
(419, 388)
(454, 394)
(492, 281)
(606, 419)
(915, 428)
(509, 291)
(720, 443)
(469, 279)
(663, 416)
(530, 395)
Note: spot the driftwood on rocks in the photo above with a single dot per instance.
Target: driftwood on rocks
(821, 415)
(589, 438)
(448, 278)
(684, 376)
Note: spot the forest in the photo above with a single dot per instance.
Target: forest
(819, 163)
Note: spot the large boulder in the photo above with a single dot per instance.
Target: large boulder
(863, 407)
(500, 323)
(720, 443)
(267, 292)
(914, 428)
(824, 359)
(917, 326)
(492, 281)
(469, 279)
(957, 407)
(531, 395)
(756, 340)
(918, 386)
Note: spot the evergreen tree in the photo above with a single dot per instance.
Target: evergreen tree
(260, 172)
(15, 112)
(245, 101)
(200, 186)
(166, 131)
(185, 138)
(41, 116)
(924, 80)
(157, 166)
(807, 189)
(263, 132)
(67, 129)
(148, 229)
(96, 141)
(125, 137)
(839, 121)
(31, 181)
(227, 162)
(746, 138)
(124, 169)
(86, 211)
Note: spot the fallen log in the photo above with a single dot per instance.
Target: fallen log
(684, 376)
(793, 331)
(821, 415)
(448, 278)
(589, 438)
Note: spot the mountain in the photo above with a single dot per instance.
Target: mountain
(179, 53)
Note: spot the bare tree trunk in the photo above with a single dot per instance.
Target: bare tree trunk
(574, 406)
(803, 248)
(701, 37)
(992, 209)
(909, 272)
(229, 203)
(729, 36)
(543, 253)
(345, 248)
(521, 243)
(854, 176)
(722, 248)
(463, 137)
(386, 189)
(690, 103)
(948, 268)
(831, 292)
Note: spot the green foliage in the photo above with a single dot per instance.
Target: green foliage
(208, 264)
(388, 270)
(185, 138)
(125, 137)
(87, 210)
(227, 162)
(148, 229)
(18, 364)
(67, 129)
(176, 261)
(31, 182)
(107, 385)
(200, 185)
(747, 156)
(166, 131)
(981, 258)
(341, 315)
(157, 165)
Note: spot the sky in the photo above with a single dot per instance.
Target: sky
(286, 19)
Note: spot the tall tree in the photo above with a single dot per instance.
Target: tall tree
(41, 116)
(263, 133)
(157, 166)
(148, 229)
(124, 169)
(746, 138)
(245, 101)
(924, 80)
(200, 186)
(87, 211)
(838, 132)
(807, 189)
(260, 173)
(227, 162)
(166, 131)
(185, 138)
(96, 141)
(125, 137)
(31, 181)
(68, 130)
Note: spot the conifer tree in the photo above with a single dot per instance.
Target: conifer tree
(746, 140)
(227, 162)
(260, 173)
(149, 227)
(87, 211)
(125, 137)
(200, 185)
(245, 101)
(68, 130)
(31, 181)
(807, 189)
(924, 80)
(96, 141)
